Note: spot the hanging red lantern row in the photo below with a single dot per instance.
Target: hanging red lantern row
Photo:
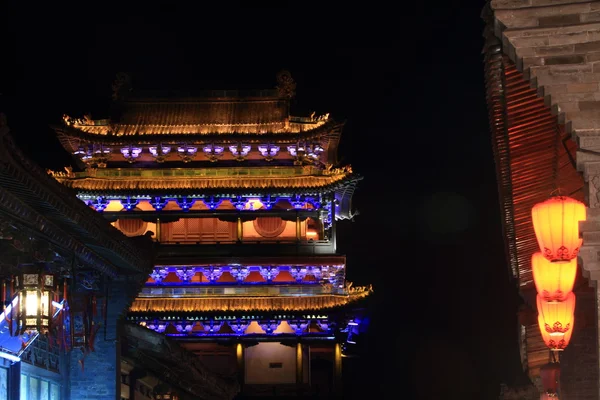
(554, 268)
(556, 225)
(553, 281)
(556, 320)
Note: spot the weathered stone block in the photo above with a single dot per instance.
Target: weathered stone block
(531, 41)
(592, 16)
(587, 47)
(589, 105)
(582, 87)
(499, 4)
(555, 20)
(554, 50)
(568, 38)
(555, 2)
(564, 59)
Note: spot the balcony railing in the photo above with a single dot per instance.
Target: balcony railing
(201, 172)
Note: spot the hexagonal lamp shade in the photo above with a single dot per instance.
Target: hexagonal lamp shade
(34, 287)
(556, 225)
(556, 320)
(553, 281)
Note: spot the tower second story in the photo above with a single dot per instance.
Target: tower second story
(215, 170)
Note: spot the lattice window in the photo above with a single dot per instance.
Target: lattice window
(42, 355)
(198, 230)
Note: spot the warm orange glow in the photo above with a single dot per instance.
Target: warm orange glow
(549, 396)
(553, 281)
(244, 303)
(311, 234)
(556, 320)
(556, 225)
(253, 204)
(557, 342)
(239, 352)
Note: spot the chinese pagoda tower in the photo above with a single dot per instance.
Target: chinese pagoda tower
(242, 201)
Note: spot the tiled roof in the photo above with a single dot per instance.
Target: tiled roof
(73, 226)
(243, 303)
(176, 182)
(531, 159)
(199, 116)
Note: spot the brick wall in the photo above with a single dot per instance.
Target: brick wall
(579, 361)
(100, 378)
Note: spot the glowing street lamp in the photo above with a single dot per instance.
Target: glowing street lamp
(34, 287)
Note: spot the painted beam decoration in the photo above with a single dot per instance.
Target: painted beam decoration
(182, 276)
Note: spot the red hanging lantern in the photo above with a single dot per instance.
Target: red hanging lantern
(556, 342)
(556, 320)
(556, 225)
(553, 281)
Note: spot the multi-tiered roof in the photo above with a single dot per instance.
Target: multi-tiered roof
(185, 156)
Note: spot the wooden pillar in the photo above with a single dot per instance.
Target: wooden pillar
(299, 364)
(158, 229)
(240, 229)
(337, 369)
(14, 379)
(321, 229)
(239, 355)
(298, 229)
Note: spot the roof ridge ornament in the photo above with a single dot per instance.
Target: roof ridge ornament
(285, 84)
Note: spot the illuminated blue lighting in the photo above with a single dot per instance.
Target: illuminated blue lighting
(9, 356)
(8, 309)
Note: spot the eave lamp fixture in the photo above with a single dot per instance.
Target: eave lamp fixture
(268, 151)
(159, 152)
(556, 225)
(131, 153)
(212, 152)
(187, 152)
(35, 289)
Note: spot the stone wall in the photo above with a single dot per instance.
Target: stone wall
(579, 361)
(100, 377)
(556, 45)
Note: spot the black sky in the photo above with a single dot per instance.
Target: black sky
(409, 82)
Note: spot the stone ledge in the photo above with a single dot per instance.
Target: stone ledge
(514, 4)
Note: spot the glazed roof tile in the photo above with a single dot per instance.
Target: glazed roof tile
(278, 303)
(260, 178)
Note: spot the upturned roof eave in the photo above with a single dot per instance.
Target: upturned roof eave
(349, 180)
(72, 132)
(38, 191)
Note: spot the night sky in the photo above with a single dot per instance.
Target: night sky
(408, 82)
